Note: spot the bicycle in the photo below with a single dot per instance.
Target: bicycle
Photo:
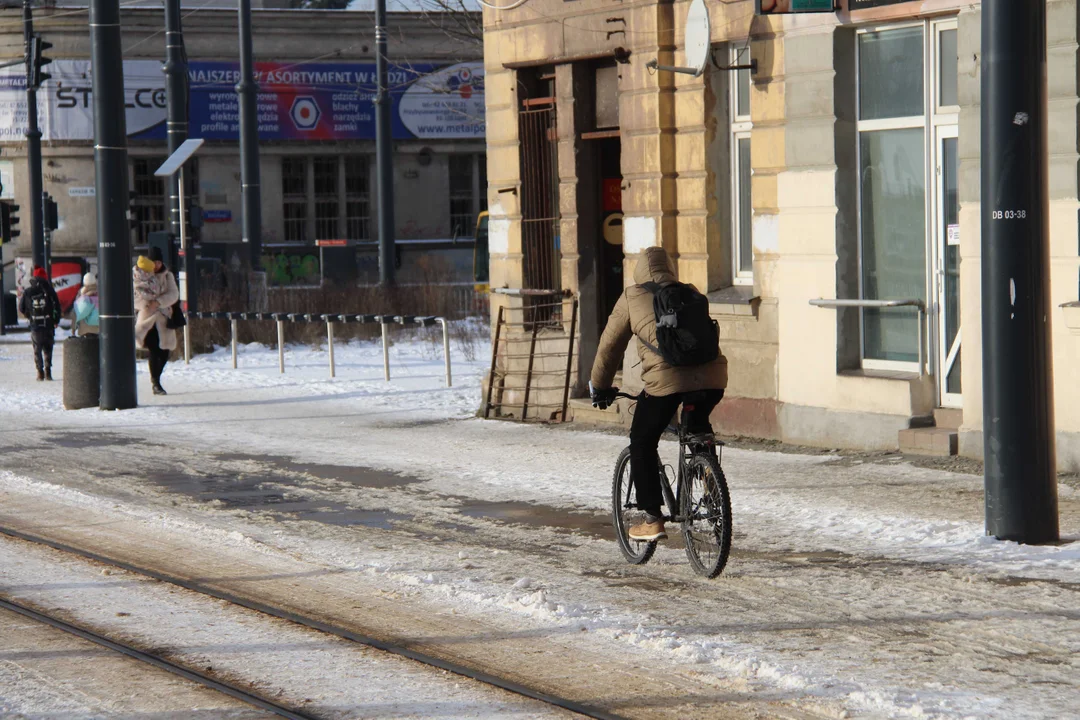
(701, 504)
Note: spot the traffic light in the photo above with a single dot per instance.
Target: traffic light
(49, 214)
(8, 222)
(38, 46)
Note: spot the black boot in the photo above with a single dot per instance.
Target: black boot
(158, 390)
(48, 374)
(40, 375)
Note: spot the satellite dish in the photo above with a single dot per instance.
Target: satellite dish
(698, 37)
(698, 42)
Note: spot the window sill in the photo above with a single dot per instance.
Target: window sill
(881, 374)
(738, 300)
(1071, 311)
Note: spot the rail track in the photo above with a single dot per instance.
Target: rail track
(390, 647)
(247, 696)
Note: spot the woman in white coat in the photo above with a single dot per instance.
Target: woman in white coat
(155, 295)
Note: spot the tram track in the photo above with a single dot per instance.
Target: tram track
(389, 646)
(153, 659)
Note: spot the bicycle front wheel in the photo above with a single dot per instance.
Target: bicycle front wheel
(625, 513)
(705, 503)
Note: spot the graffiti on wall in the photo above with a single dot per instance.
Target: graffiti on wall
(285, 268)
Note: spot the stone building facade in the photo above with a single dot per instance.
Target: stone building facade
(317, 174)
(845, 165)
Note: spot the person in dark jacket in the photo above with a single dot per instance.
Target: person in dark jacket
(41, 307)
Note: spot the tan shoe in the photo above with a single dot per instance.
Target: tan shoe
(648, 531)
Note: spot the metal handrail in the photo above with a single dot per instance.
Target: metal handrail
(863, 304)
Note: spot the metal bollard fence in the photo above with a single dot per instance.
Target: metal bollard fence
(384, 322)
(281, 346)
(446, 349)
(232, 327)
(385, 352)
(330, 345)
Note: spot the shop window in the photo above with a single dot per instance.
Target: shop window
(742, 214)
(357, 198)
(468, 192)
(294, 197)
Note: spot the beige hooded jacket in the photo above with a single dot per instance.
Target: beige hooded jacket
(634, 315)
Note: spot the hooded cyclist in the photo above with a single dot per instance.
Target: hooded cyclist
(678, 346)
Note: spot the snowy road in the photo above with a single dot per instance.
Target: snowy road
(857, 589)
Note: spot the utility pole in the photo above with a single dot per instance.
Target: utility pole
(33, 143)
(1018, 409)
(384, 149)
(249, 141)
(116, 304)
(176, 100)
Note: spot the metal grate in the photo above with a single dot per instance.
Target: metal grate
(326, 198)
(357, 198)
(539, 205)
(294, 197)
(544, 374)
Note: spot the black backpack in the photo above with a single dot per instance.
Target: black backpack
(41, 310)
(685, 334)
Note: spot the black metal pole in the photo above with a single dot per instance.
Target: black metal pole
(249, 141)
(33, 146)
(176, 90)
(116, 304)
(1018, 407)
(384, 150)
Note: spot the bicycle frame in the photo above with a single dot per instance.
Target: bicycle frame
(689, 445)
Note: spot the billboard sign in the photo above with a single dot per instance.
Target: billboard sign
(314, 101)
(785, 7)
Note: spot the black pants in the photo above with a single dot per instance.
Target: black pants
(651, 417)
(158, 357)
(42, 339)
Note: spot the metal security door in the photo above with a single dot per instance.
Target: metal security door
(539, 202)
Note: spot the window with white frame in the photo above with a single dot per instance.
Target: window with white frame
(742, 212)
(902, 91)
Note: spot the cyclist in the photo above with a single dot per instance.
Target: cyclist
(700, 386)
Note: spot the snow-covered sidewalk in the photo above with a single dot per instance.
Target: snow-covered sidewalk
(864, 587)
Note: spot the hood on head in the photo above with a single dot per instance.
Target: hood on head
(654, 266)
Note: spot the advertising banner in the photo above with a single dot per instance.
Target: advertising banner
(312, 101)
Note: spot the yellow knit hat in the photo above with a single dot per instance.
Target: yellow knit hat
(145, 264)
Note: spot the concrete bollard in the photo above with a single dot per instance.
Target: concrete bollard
(82, 372)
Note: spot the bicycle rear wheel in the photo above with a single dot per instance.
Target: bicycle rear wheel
(625, 513)
(705, 502)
